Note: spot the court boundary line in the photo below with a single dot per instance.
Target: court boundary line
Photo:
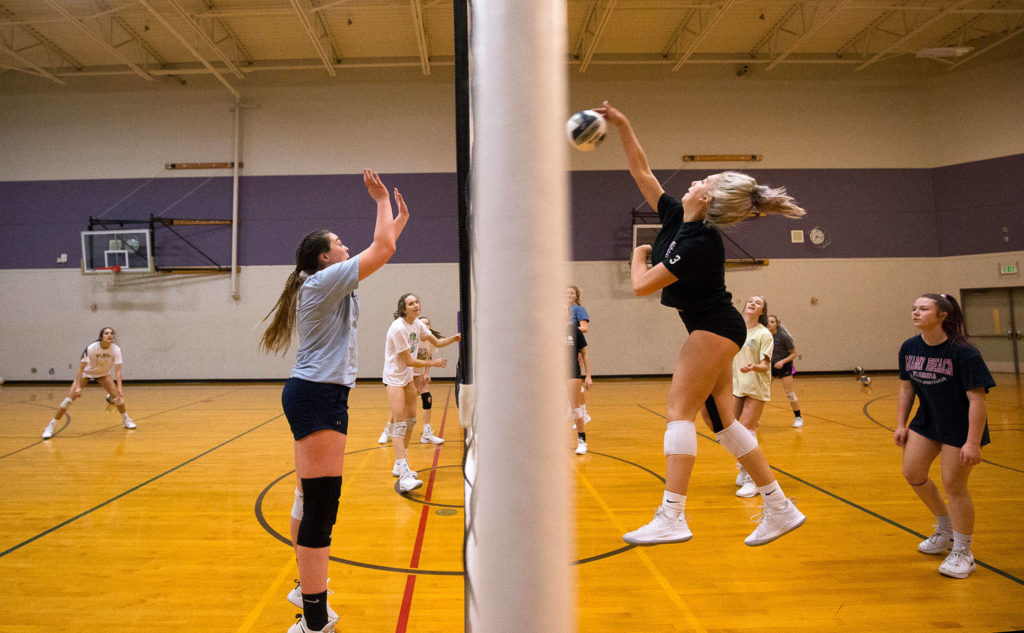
(134, 488)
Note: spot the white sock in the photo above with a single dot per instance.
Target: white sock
(402, 462)
(673, 504)
(962, 542)
(124, 416)
(427, 430)
(772, 495)
(945, 524)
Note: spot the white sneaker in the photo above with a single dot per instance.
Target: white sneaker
(938, 543)
(774, 523)
(430, 438)
(581, 446)
(741, 476)
(798, 422)
(660, 530)
(409, 482)
(748, 489)
(384, 438)
(300, 626)
(127, 423)
(48, 432)
(396, 471)
(295, 597)
(958, 565)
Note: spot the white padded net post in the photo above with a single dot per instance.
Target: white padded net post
(519, 541)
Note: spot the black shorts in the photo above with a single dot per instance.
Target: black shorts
(725, 321)
(314, 406)
(787, 370)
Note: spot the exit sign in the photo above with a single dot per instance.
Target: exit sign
(1008, 269)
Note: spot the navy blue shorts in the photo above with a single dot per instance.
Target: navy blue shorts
(725, 321)
(314, 406)
(787, 370)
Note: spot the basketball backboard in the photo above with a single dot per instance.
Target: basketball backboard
(131, 249)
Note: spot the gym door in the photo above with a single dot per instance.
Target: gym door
(995, 320)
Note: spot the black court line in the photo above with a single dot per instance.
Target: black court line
(872, 513)
(67, 422)
(427, 572)
(134, 488)
(869, 416)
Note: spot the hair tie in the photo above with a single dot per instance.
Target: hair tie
(303, 275)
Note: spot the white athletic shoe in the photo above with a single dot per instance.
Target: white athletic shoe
(748, 489)
(774, 523)
(48, 432)
(408, 482)
(396, 471)
(798, 422)
(430, 438)
(741, 476)
(581, 446)
(127, 423)
(660, 530)
(384, 438)
(958, 565)
(938, 543)
(300, 626)
(295, 597)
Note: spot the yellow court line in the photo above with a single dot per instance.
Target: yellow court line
(672, 593)
(273, 592)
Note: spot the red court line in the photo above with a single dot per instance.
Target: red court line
(410, 581)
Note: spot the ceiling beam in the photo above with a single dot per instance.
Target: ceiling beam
(814, 28)
(1009, 35)
(705, 29)
(310, 30)
(42, 72)
(421, 35)
(99, 40)
(912, 33)
(593, 28)
(206, 38)
(199, 56)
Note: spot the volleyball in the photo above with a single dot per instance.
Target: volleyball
(585, 129)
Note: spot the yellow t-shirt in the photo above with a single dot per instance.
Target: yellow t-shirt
(756, 349)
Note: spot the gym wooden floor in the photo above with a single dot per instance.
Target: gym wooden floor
(181, 525)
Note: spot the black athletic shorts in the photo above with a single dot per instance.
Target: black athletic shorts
(787, 370)
(314, 406)
(725, 321)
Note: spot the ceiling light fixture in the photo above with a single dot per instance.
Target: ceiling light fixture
(944, 51)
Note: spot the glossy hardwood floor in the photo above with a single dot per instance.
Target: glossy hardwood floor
(181, 524)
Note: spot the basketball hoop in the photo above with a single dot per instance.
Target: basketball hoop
(112, 281)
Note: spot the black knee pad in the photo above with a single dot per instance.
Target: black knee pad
(427, 400)
(319, 511)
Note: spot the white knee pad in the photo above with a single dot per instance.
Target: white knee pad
(579, 412)
(117, 401)
(66, 403)
(297, 506)
(736, 439)
(791, 396)
(398, 428)
(681, 438)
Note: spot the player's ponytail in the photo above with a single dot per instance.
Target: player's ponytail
(736, 196)
(278, 335)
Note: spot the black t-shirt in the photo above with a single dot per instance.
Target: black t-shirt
(941, 376)
(693, 252)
